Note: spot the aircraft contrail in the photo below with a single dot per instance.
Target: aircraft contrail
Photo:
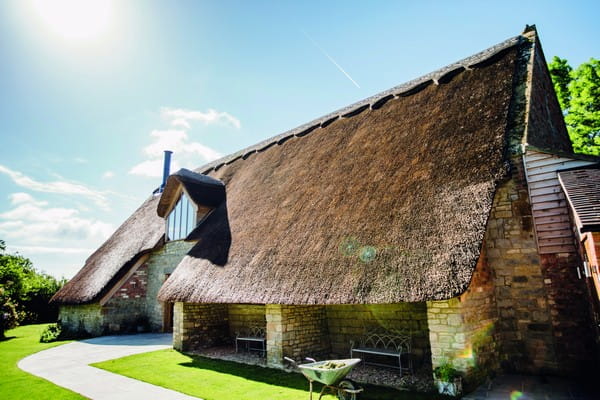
(330, 59)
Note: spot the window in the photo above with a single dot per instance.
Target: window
(182, 219)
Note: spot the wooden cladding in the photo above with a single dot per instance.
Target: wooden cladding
(548, 202)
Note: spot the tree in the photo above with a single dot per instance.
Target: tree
(578, 92)
(24, 292)
(9, 317)
(39, 289)
(560, 70)
(11, 286)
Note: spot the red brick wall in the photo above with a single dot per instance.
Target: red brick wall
(569, 308)
(136, 286)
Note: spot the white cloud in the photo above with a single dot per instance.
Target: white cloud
(35, 223)
(152, 168)
(178, 142)
(166, 140)
(108, 175)
(60, 187)
(188, 152)
(80, 160)
(20, 198)
(182, 117)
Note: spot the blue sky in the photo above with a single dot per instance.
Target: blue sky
(88, 103)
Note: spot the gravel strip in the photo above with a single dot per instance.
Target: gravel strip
(421, 381)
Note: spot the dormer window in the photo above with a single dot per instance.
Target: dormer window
(182, 219)
(187, 199)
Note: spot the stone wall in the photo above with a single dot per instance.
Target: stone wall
(125, 311)
(522, 310)
(162, 262)
(245, 316)
(503, 317)
(463, 330)
(296, 332)
(524, 328)
(125, 315)
(82, 320)
(134, 305)
(349, 322)
(197, 326)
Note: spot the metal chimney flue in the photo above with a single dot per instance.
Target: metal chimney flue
(166, 169)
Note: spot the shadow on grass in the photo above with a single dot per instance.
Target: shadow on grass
(294, 380)
(7, 338)
(270, 376)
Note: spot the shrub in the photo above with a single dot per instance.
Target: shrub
(446, 372)
(51, 333)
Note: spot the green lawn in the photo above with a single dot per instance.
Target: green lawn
(220, 380)
(17, 384)
(196, 376)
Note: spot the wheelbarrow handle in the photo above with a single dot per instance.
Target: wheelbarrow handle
(310, 359)
(290, 361)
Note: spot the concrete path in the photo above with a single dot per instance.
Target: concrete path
(523, 387)
(67, 366)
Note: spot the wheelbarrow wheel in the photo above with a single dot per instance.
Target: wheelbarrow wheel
(343, 390)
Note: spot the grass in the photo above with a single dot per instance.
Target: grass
(196, 376)
(218, 380)
(17, 384)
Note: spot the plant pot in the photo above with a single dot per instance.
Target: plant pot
(453, 388)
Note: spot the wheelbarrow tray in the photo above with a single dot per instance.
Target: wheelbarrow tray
(328, 376)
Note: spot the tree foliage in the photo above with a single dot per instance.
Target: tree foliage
(24, 292)
(578, 92)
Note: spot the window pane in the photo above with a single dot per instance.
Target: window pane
(184, 224)
(191, 218)
(176, 214)
(182, 219)
(171, 225)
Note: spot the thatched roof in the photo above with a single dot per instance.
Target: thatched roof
(139, 234)
(582, 187)
(202, 189)
(384, 201)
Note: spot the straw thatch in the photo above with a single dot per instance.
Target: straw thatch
(202, 189)
(139, 234)
(384, 201)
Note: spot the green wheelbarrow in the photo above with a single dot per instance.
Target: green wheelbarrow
(331, 374)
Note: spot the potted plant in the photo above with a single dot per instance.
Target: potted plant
(447, 379)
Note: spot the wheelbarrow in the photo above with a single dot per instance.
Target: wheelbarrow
(331, 374)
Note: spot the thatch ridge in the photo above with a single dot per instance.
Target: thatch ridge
(139, 234)
(440, 76)
(380, 206)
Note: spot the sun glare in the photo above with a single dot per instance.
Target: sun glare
(75, 20)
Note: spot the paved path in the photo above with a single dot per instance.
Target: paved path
(523, 387)
(67, 366)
